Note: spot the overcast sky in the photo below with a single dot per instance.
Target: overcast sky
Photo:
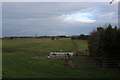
(56, 18)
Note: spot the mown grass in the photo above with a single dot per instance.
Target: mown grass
(18, 64)
(37, 45)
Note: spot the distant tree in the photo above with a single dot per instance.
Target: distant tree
(52, 38)
(57, 38)
(11, 38)
(83, 37)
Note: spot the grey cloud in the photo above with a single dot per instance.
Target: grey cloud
(43, 18)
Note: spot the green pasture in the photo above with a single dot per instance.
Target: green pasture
(27, 58)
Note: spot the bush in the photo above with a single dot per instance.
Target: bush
(105, 43)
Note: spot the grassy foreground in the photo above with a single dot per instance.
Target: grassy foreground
(19, 60)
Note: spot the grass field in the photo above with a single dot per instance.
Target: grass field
(19, 61)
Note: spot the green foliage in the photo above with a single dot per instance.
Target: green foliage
(93, 43)
(105, 43)
(80, 37)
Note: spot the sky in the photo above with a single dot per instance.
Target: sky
(56, 18)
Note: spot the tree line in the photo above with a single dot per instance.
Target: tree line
(104, 43)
